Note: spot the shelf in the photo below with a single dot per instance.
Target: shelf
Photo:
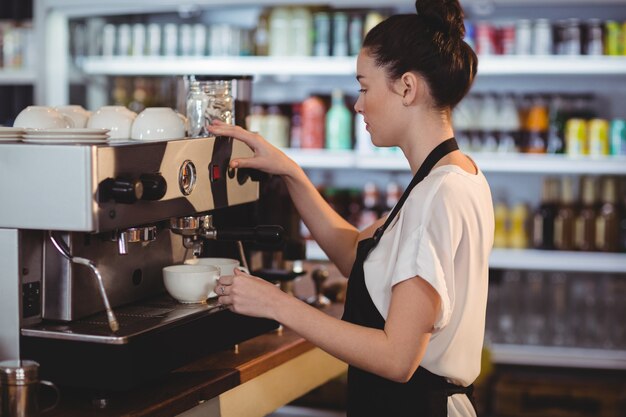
(342, 66)
(558, 356)
(17, 76)
(551, 65)
(543, 260)
(536, 260)
(252, 65)
(512, 163)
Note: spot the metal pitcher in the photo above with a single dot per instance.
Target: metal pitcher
(19, 389)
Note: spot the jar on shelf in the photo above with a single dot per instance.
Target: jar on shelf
(219, 101)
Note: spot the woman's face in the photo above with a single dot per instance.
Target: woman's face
(380, 106)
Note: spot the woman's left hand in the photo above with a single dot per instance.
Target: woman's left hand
(249, 295)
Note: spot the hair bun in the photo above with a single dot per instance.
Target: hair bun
(443, 15)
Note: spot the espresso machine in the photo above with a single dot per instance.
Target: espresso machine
(85, 230)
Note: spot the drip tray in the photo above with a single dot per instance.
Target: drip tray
(156, 314)
(154, 338)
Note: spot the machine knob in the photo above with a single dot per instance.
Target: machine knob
(154, 186)
(122, 190)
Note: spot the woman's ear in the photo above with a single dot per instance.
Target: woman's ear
(409, 88)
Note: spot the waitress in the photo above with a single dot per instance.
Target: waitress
(414, 317)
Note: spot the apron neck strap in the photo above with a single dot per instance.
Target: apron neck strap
(441, 150)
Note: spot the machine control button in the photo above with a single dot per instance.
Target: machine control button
(214, 172)
(187, 177)
(154, 186)
(121, 190)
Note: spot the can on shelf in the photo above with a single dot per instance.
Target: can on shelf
(576, 137)
(617, 137)
(598, 137)
(613, 38)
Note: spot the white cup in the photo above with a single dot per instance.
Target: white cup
(118, 119)
(42, 117)
(157, 123)
(78, 114)
(226, 266)
(190, 283)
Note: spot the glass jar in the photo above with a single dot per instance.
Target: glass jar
(220, 101)
(197, 103)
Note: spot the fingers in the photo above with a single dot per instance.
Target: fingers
(225, 129)
(226, 280)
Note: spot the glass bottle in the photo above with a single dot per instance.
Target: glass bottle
(518, 233)
(501, 213)
(393, 192)
(313, 115)
(338, 123)
(585, 223)
(197, 103)
(261, 34)
(371, 210)
(300, 32)
(543, 219)
(277, 127)
(607, 222)
(537, 124)
(565, 218)
(280, 39)
(509, 125)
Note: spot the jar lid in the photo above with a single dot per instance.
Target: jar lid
(16, 372)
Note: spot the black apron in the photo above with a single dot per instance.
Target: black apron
(425, 394)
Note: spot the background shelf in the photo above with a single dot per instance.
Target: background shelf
(530, 259)
(579, 66)
(17, 76)
(512, 163)
(558, 356)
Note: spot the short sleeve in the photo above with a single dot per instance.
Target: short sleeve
(421, 256)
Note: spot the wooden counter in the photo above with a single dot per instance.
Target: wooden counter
(265, 373)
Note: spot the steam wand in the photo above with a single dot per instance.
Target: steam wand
(64, 250)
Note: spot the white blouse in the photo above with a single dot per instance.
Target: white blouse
(443, 234)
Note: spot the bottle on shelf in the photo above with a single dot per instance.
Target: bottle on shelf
(321, 43)
(340, 34)
(518, 230)
(261, 34)
(501, 232)
(564, 222)
(300, 32)
(338, 123)
(537, 123)
(280, 39)
(585, 222)
(256, 120)
(608, 219)
(488, 123)
(277, 125)
(509, 125)
(555, 138)
(313, 122)
(296, 126)
(393, 192)
(371, 207)
(543, 219)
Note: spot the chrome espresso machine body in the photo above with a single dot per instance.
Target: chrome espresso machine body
(84, 233)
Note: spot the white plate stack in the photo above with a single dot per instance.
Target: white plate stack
(69, 135)
(11, 134)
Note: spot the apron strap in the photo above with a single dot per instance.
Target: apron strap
(441, 150)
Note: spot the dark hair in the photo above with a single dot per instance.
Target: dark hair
(430, 43)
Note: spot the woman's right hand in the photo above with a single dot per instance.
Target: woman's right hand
(266, 157)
